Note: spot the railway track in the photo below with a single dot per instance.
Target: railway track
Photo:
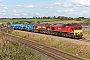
(84, 39)
(49, 51)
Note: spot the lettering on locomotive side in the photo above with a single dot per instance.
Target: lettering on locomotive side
(59, 28)
(38, 26)
(43, 26)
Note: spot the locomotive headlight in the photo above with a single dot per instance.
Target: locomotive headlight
(81, 33)
(75, 33)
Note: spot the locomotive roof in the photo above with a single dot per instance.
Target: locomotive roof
(41, 24)
(57, 24)
(73, 24)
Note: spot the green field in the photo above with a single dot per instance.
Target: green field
(41, 20)
(84, 22)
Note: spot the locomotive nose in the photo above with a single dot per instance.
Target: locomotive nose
(78, 32)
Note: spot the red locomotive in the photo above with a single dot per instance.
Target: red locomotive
(67, 30)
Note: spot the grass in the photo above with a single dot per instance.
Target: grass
(11, 50)
(81, 50)
(86, 22)
(86, 34)
(66, 21)
(86, 26)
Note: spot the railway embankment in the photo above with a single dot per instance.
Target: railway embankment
(74, 46)
(12, 50)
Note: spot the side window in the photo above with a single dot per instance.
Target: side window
(80, 28)
(75, 28)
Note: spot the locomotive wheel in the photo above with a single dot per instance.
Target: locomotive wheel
(55, 33)
(70, 35)
(47, 32)
(73, 36)
(67, 35)
(51, 32)
(63, 34)
(80, 37)
(40, 31)
(35, 30)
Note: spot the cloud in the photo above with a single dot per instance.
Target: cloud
(16, 14)
(19, 11)
(5, 8)
(83, 12)
(59, 11)
(49, 7)
(81, 2)
(29, 6)
(38, 14)
(14, 11)
(18, 5)
(25, 14)
(1, 1)
(67, 5)
(69, 10)
(58, 3)
(70, 3)
(63, 4)
(4, 11)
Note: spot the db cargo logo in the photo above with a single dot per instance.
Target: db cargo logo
(59, 28)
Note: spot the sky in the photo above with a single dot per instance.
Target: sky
(40, 8)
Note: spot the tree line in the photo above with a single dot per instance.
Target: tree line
(48, 17)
